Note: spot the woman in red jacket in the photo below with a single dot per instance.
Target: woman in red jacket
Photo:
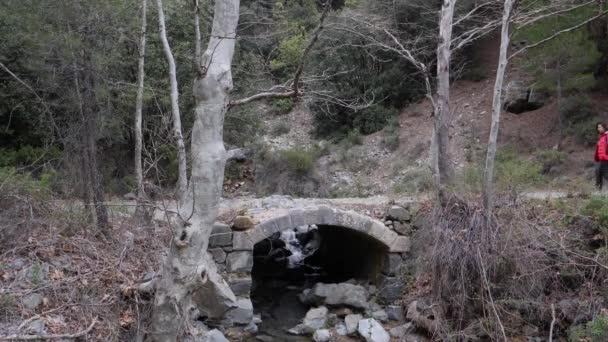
(601, 156)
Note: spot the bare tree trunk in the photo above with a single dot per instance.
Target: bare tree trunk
(488, 186)
(440, 154)
(189, 277)
(139, 174)
(197, 36)
(182, 178)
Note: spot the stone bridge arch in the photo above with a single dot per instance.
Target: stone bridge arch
(233, 250)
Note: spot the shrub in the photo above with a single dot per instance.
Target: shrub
(514, 173)
(580, 118)
(298, 159)
(391, 134)
(280, 128)
(414, 181)
(593, 331)
(281, 106)
(597, 207)
(353, 137)
(550, 159)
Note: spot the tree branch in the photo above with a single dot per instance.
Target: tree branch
(558, 33)
(49, 337)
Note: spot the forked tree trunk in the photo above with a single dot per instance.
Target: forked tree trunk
(440, 154)
(189, 277)
(139, 174)
(488, 186)
(182, 176)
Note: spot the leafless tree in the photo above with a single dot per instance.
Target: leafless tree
(189, 277)
(182, 176)
(139, 175)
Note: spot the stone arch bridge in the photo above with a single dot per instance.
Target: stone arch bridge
(235, 236)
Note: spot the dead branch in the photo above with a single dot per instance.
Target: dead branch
(552, 322)
(49, 337)
(295, 84)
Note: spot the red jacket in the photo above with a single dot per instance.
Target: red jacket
(600, 148)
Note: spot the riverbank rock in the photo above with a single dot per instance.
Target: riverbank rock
(397, 213)
(400, 331)
(336, 295)
(352, 322)
(314, 320)
(215, 336)
(242, 223)
(372, 331)
(322, 335)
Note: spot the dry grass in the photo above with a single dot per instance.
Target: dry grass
(494, 280)
(78, 272)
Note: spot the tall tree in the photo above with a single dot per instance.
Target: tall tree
(182, 176)
(503, 59)
(139, 174)
(189, 277)
(442, 165)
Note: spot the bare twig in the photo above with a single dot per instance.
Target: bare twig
(49, 337)
(552, 322)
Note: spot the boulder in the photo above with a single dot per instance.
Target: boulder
(391, 289)
(242, 314)
(397, 213)
(403, 228)
(215, 336)
(400, 331)
(521, 97)
(36, 327)
(352, 322)
(392, 264)
(380, 315)
(321, 335)
(239, 261)
(341, 329)
(221, 235)
(420, 312)
(241, 286)
(372, 331)
(314, 320)
(242, 223)
(336, 295)
(395, 312)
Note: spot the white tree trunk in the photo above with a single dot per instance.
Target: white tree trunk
(182, 178)
(189, 278)
(488, 186)
(197, 35)
(139, 175)
(440, 155)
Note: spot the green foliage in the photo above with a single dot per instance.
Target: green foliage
(8, 304)
(28, 156)
(580, 118)
(568, 59)
(290, 51)
(514, 173)
(391, 134)
(550, 159)
(282, 106)
(593, 331)
(414, 181)
(352, 138)
(298, 159)
(597, 208)
(280, 128)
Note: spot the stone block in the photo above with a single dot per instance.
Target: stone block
(297, 218)
(390, 289)
(218, 254)
(242, 314)
(397, 213)
(403, 228)
(241, 242)
(241, 286)
(221, 235)
(377, 230)
(267, 228)
(402, 244)
(392, 263)
(389, 237)
(326, 216)
(239, 261)
(256, 235)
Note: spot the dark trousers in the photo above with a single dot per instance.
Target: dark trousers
(601, 173)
